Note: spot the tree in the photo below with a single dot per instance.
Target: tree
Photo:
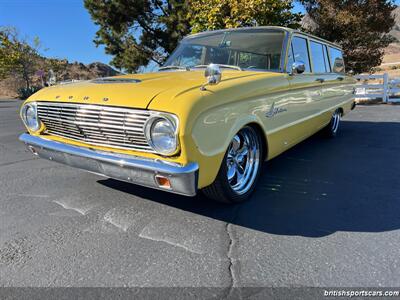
(8, 58)
(17, 56)
(219, 14)
(361, 27)
(136, 32)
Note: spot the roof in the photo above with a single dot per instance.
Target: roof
(272, 28)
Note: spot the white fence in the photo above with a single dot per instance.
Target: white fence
(386, 89)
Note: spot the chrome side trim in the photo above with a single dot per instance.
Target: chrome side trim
(133, 169)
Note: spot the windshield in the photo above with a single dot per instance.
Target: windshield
(258, 49)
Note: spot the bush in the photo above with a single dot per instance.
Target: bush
(24, 93)
(376, 69)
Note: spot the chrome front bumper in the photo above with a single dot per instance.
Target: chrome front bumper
(133, 169)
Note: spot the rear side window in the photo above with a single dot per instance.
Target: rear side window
(299, 53)
(319, 58)
(337, 61)
(326, 55)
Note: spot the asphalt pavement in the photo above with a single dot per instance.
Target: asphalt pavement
(325, 214)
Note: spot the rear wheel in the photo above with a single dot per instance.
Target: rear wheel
(240, 168)
(332, 128)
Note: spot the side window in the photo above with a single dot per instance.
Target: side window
(217, 56)
(300, 52)
(326, 58)
(318, 55)
(337, 61)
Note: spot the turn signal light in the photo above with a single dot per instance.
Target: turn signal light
(163, 182)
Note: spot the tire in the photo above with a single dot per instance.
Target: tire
(331, 130)
(240, 168)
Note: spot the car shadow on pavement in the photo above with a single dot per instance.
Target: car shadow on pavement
(321, 186)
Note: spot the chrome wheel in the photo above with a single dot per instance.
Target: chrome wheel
(243, 160)
(335, 121)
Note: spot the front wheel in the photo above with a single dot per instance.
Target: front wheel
(240, 168)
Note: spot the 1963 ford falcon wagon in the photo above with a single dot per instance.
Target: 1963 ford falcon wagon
(224, 102)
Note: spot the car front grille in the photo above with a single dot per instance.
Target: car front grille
(96, 124)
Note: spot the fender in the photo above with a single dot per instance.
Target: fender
(212, 134)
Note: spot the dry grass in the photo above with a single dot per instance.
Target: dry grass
(8, 88)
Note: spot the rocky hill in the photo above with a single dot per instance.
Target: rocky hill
(396, 29)
(83, 72)
(63, 71)
(391, 60)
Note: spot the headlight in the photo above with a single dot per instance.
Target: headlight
(29, 116)
(161, 134)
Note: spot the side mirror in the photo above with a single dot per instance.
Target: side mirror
(213, 75)
(298, 68)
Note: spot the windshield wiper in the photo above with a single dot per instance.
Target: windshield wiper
(222, 66)
(174, 68)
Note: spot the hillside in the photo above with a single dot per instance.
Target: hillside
(391, 60)
(396, 29)
(82, 72)
(63, 71)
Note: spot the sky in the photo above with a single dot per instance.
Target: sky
(63, 26)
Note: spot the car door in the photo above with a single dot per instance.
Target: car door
(328, 65)
(322, 69)
(305, 89)
(340, 87)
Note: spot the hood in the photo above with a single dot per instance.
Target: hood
(135, 90)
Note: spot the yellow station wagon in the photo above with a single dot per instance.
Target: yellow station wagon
(224, 102)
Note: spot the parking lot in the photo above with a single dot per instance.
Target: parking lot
(325, 213)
